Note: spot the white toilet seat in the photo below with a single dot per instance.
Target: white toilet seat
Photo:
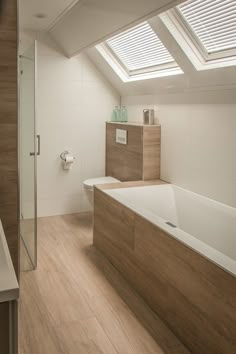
(89, 183)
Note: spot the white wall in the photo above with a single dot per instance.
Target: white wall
(198, 148)
(74, 101)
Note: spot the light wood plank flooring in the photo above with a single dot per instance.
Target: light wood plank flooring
(25, 262)
(77, 303)
(27, 244)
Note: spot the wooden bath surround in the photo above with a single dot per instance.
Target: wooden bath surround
(195, 297)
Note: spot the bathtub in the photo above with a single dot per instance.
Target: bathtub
(173, 247)
(205, 225)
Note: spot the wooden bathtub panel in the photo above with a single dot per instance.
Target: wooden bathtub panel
(196, 298)
(129, 269)
(198, 310)
(157, 292)
(116, 222)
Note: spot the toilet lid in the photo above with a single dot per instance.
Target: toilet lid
(89, 183)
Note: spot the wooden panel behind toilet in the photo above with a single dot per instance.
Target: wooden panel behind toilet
(139, 159)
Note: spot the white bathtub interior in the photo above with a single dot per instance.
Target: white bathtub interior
(205, 225)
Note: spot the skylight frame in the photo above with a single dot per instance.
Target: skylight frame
(154, 71)
(191, 46)
(185, 25)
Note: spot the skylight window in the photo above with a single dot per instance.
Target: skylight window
(205, 30)
(213, 22)
(140, 48)
(138, 54)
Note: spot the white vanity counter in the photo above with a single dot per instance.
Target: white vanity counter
(9, 288)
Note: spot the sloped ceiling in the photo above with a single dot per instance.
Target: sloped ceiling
(78, 24)
(36, 16)
(191, 81)
(91, 21)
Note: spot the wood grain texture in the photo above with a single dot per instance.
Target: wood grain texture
(124, 162)
(76, 302)
(8, 145)
(25, 262)
(151, 152)
(4, 328)
(195, 297)
(8, 127)
(139, 159)
(119, 222)
(130, 184)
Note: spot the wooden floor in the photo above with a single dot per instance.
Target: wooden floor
(77, 303)
(25, 261)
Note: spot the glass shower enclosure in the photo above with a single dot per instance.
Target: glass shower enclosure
(29, 149)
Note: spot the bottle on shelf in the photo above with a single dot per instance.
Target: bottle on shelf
(115, 116)
(124, 114)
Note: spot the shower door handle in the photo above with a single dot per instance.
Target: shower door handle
(39, 147)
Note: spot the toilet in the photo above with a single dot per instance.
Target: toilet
(90, 183)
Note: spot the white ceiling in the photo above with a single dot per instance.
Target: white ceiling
(77, 24)
(53, 9)
(92, 21)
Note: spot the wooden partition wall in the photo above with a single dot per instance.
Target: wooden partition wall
(139, 158)
(8, 126)
(8, 145)
(195, 297)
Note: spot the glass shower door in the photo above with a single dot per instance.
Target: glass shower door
(29, 149)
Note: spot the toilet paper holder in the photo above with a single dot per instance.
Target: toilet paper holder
(63, 155)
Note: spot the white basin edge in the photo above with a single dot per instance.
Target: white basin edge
(9, 287)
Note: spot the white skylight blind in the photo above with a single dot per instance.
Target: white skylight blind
(139, 48)
(213, 22)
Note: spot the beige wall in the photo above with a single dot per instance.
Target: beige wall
(74, 101)
(198, 141)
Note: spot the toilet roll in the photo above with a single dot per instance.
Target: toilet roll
(69, 160)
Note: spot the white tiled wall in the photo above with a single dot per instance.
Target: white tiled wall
(74, 101)
(198, 149)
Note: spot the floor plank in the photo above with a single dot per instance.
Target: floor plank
(25, 262)
(77, 303)
(86, 336)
